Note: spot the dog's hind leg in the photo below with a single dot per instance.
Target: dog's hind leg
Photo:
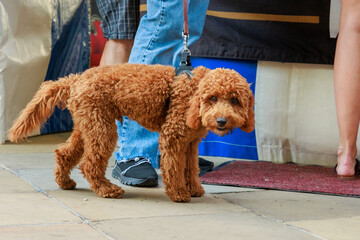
(100, 140)
(68, 156)
(192, 170)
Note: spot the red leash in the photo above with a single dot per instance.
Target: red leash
(186, 23)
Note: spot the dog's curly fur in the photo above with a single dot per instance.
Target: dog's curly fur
(181, 109)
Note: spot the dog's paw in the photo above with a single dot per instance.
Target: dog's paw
(197, 191)
(69, 184)
(111, 192)
(180, 195)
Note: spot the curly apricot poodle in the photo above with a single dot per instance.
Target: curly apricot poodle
(183, 111)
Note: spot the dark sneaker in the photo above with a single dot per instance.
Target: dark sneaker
(205, 166)
(136, 172)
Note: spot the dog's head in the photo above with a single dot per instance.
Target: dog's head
(222, 102)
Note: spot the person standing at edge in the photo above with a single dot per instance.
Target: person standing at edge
(347, 87)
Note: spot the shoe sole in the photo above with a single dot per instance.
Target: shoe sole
(350, 177)
(136, 182)
(346, 177)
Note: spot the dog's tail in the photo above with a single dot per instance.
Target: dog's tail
(40, 108)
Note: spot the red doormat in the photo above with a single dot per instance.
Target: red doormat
(289, 177)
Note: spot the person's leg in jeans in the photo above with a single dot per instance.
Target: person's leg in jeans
(347, 85)
(120, 19)
(158, 41)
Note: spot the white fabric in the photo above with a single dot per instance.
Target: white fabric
(335, 8)
(25, 50)
(25, 43)
(295, 113)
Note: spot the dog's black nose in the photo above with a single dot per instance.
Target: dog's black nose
(221, 122)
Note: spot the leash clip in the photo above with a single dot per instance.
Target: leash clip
(185, 62)
(185, 42)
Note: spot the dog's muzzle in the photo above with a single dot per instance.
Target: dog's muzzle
(221, 122)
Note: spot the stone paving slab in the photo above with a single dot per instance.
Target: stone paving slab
(16, 161)
(294, 206)
(44, 178)
(33, 160)
(40, 144)
(333, 229)
(138, 203)
(51, 232)
(11, 183)
(37, 167)
(32, 208)
(229, 226)
(216, 189)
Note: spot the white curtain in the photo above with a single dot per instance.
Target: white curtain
(295, 113)
(25, 45)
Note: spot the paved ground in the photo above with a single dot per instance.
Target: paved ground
(33, 207)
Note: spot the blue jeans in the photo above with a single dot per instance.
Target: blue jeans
(158, 41)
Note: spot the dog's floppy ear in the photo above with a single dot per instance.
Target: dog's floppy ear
(193, 119)
(249, 124)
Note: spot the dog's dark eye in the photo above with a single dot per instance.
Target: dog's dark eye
(213, 99)
(234, 101)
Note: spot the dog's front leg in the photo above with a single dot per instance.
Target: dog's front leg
(173, 163)
(192, 170)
